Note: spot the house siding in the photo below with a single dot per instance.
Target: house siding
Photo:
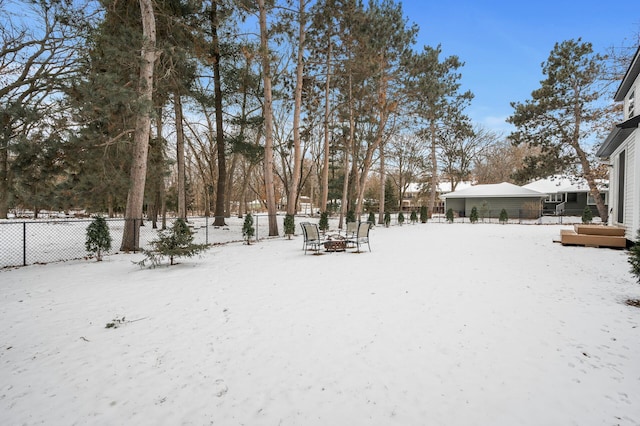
(634, 188)
(630, 222)
(490, 207)
(515, 207)
(627, 216)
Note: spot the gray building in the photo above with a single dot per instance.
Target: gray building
(491, 199)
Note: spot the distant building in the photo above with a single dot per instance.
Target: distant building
(568, 195)
(490, 199)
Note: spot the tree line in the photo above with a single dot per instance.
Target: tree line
(137, 107)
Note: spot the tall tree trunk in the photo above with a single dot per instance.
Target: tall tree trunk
(4, 180)
(268, 124)
(229, 189)
(217, 90)
(382, 182)
(434, 166)
(135, 197)
(182, 196)
(587, 172)
(324, 184)
(292, 201)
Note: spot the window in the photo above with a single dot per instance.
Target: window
(631, 103)
(592, 201)
(554, 198)
(621, 173)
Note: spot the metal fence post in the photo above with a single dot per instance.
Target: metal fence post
(24, 243)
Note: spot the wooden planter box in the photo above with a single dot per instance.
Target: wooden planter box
(594, 236)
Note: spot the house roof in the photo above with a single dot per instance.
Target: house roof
(613, 141)
(561, 184)
(499, 190)
(629, 77)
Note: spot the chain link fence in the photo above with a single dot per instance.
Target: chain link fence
(43, 241)
(53, 240)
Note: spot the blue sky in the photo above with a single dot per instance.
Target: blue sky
(503, 43)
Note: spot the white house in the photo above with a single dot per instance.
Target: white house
(622, 152)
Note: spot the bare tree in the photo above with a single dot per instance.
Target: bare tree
(135, 198)
(268, 121)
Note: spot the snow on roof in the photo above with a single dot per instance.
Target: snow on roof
(503, 189)
(559, 184)
(445, 187)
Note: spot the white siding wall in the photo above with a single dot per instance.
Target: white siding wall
(632, 186)
(632, 174)
(633, 192)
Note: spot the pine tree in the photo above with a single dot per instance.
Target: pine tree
(98, 237)
(450, 215)
(587, 215)
(351, 216)
(503, 216)
(372, 218)
(172, 243)
(414, 216)
(248, 230)
(474, 215)
(423, 214)
(323, 225)
(387, 219)
(289, 225)
(400, 218)
(634, 258)
(563, 113)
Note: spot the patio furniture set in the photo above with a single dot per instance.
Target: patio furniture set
(356, 234)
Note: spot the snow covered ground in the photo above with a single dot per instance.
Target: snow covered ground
(440, 324)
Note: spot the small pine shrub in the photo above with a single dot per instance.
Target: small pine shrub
(289, 225)
(587, 215)
(400, 218)
(323, 224)
(372, 217)
(423, 214)
(172, 243)
(503, 216)
(351, 216)
(98, 237)
(450, 215)
(474, 215)
(634, 258)
(387, 219)
(248, 230)
(414, 216)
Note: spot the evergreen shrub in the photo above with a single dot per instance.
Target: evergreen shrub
(289, 225)
(503, 216)
(474, 215)
(248, 230)
(450, 215)
(98, 237)
(172, 243)
(323, 224)
(634, 258)
(423, 214)
(387, 219)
